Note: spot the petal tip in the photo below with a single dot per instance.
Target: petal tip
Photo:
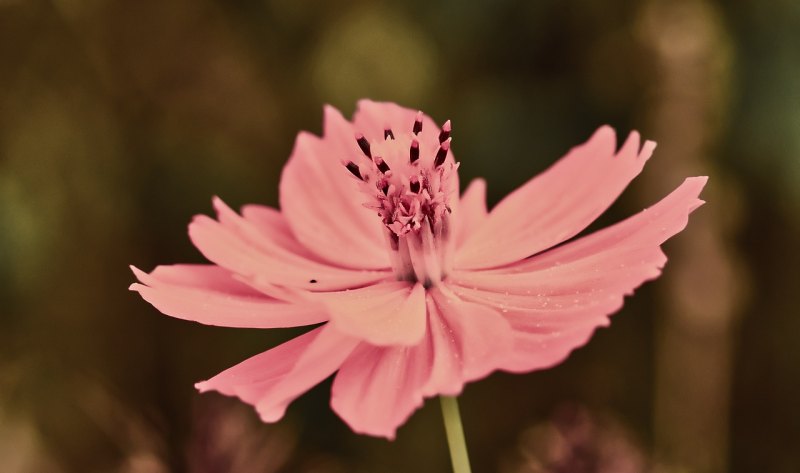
(389, 434)
(696, 185)
(272, 415)
(328, 108)
(647, 149)
(331, 119)
(604, 132)
(221, 208)
(142, 276)
(605, 128)
(364, 102)
(631, 148)
(478, 183)
(603, 142)
(198, 219)
(696, 204)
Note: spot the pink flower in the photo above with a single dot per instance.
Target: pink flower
(418, 291)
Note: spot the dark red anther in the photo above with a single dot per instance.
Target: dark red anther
(414, 152)
(387, 133)
(353, 168)
(382, 166)
(441, 155)
(418, 123)
(414, 184)
(364, 145)
(445, 133)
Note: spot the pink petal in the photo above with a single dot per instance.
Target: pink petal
(556, 299)
(472, 210)
(372, 118)
(200, 276)
(271, 380)
(557, 204)
(546, 330)
(250, 379)
(210, 295)
(322, 202)
(537, 351)
(378, 388)
(272, 224)
(260, 249)
(469, 341)
(389, 313)
(541, 345)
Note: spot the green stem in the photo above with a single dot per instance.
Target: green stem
(455, 435)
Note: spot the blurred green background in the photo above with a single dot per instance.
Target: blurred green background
(120, 119)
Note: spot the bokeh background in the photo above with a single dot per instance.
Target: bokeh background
(120, 119)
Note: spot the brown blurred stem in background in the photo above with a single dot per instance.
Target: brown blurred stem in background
(701, 298)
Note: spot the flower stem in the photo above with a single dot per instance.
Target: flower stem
(455, 435)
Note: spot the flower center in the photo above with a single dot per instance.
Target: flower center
(410, 178)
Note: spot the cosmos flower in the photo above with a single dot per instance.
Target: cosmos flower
(414, 290)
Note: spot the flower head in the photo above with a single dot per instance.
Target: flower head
(418, 291)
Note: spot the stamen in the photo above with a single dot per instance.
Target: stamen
(414, 152)
(383, 185)
(441, 155)
(395, 241)
(364, 145)
(411, 199)
(445, 133)
(418, 123)
(353, 168)
(414, 184)
(382, 166)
